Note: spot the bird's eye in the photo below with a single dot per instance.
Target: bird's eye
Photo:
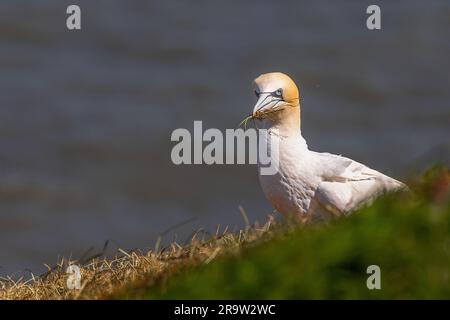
(279, 93)
(257, 93)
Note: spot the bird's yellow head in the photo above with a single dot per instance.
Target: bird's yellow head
(278, 97)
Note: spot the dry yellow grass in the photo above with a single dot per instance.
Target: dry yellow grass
(102, 277)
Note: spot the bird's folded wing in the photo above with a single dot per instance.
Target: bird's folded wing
(341, 169)
(347, 185)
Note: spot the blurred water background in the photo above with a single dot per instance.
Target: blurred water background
(86, 116)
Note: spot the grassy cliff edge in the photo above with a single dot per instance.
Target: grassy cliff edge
(406, 235)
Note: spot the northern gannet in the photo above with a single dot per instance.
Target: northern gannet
(309, 185)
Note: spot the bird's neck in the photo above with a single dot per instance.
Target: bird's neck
(287, 124)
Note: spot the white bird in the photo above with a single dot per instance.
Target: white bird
(308, 185)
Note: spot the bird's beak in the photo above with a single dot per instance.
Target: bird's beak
(265, 102)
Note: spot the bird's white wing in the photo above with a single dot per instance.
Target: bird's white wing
(347, 185)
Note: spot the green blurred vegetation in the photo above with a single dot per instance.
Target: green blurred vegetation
(407, 235)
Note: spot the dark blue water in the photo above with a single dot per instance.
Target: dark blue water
(86, 116)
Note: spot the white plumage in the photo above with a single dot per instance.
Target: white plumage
(309, 185)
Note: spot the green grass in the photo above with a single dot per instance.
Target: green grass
(408, 236)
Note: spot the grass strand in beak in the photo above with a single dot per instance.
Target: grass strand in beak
(245, 121)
